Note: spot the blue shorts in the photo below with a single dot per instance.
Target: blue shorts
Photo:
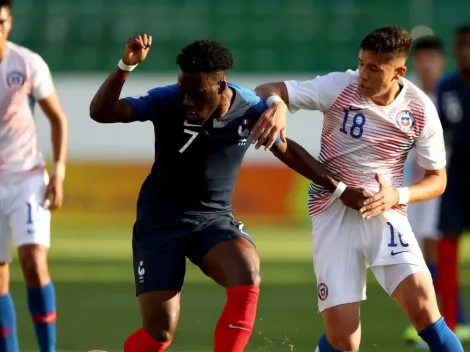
(455, 208)
(160, 251)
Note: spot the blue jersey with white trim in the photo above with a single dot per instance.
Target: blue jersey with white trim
(195, 165)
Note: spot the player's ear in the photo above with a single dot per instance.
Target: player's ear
(400, 72)
(222, 86)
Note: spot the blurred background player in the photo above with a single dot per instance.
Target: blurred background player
(428, 60)
(202, 129)
(453, 102)
(25, 185)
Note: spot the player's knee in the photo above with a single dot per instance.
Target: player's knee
(158, 332)
(33, 261)
(343, 326)
(416, 296)
(4, 278)
(342, 341)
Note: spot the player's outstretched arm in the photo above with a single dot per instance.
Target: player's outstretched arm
(299, 160)
(431, 157)
(106, 107)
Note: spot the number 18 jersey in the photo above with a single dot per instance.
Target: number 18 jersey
(360, 138)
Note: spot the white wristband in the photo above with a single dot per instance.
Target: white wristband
(58, 170)
(273, 99)
(126, 67)
(340, 188)
(403, 195)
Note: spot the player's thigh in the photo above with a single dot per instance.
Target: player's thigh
(337, 256)
(5, 238)
(412, 287)
(224, 250)
(29, 219)
(453, 216)
(158, 258)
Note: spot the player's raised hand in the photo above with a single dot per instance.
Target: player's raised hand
(354, 197)
(136, 49)
(383, 200)
(269, 125)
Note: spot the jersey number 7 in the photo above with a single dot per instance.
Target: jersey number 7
(193, 135)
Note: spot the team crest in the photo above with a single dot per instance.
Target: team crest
(322, 291)
(405, 121)
(15, 80)
(243, 132)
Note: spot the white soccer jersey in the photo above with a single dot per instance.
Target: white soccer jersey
(24, 79)
(360, 138)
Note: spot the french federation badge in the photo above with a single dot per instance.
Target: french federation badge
(405, 121)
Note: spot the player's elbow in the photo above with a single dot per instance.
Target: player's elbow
(440, 180)
(98, 115)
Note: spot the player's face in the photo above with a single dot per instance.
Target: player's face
(5, 23)
(428, 63)
(462, 51)
(378, 73)
(202, 94)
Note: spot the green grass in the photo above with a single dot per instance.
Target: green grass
(97, 309)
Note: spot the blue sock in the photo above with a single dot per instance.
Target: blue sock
(41, 303)
(8, 338)
(461, 316)
(440, 338)
(433, 270)
(324, 345)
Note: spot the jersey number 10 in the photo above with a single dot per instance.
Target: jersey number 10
(358, 122)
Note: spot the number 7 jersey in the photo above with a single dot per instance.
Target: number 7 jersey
(360, 138)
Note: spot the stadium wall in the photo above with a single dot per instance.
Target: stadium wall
(108, 163)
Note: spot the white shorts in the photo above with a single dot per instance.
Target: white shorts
(345, 246)
(23, 218)
(424, 218)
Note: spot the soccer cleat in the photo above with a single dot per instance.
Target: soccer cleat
(463, 332)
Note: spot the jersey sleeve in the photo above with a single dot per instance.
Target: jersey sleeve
(318, 93)
(430, 145)
(41, 78)
(147, 106)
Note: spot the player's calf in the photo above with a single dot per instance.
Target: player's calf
(416, 296)
(41, 294)
(234, 264)
(160, 315)
(8, 338)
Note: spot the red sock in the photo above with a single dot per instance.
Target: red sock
(235, 325)
(448, 280)
(140, 341)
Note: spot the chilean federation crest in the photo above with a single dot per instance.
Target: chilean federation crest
(15, 80)
(405, 121)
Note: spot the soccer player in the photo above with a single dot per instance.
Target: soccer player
(202, 128)
(428, 62)
(453, 101)
(27, 194)
(373, 117)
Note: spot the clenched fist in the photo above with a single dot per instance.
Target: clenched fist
(136, 49)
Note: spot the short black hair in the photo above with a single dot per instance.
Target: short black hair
(7, 3)
(428, 42)
(206, 56)
(462, 30)
(392, 41)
